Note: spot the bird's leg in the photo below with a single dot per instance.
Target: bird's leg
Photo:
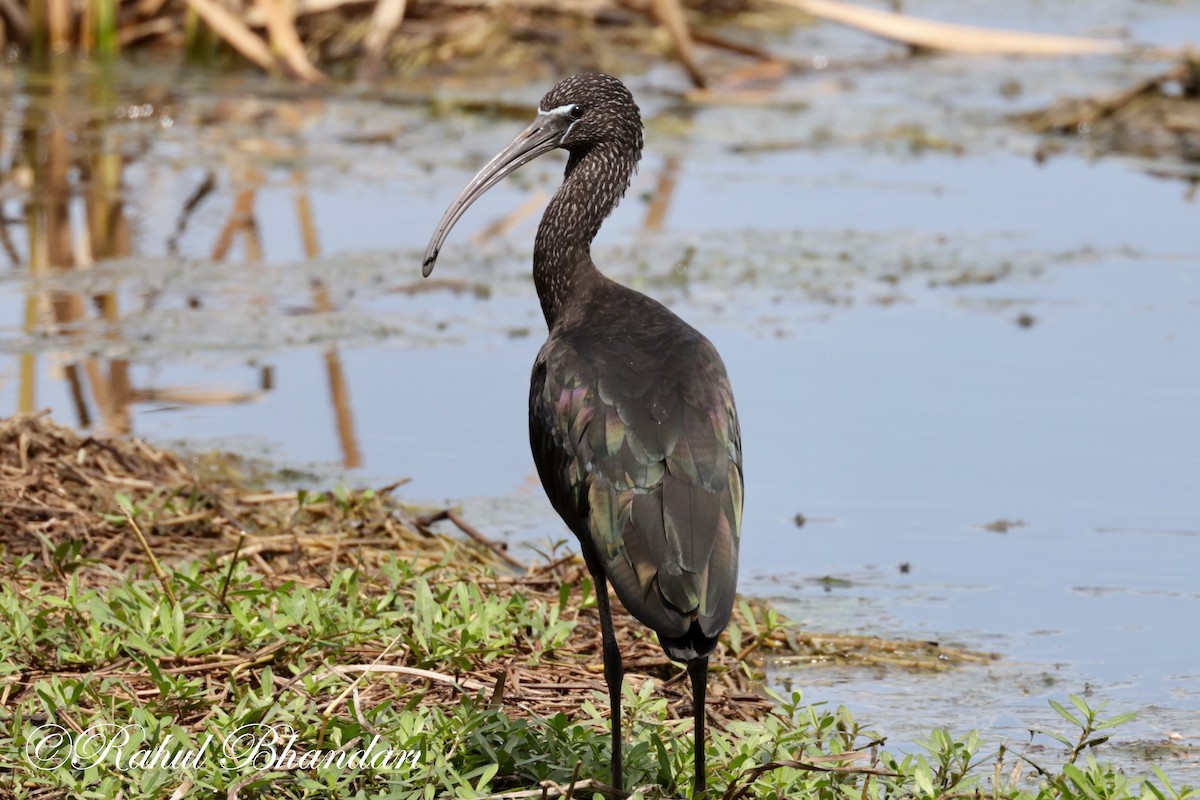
(698, 672)
(614, 673)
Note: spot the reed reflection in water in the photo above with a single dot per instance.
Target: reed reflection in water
(64, 159)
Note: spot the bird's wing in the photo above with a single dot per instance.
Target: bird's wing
(642, 459)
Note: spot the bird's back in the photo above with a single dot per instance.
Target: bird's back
(636, 439)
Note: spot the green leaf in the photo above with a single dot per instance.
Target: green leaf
(485, 779)
(1067, 715)
(1083, 707)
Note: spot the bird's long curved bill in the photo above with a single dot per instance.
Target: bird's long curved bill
(540, 137)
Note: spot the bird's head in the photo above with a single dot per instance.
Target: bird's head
(591, 109)
(580, 113)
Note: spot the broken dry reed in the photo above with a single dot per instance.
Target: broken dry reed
(158, 570)
(1157, 117)
(57, 487)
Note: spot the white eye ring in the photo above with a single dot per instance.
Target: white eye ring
(572, 111)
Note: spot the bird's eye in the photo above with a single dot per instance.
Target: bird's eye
(575, 111)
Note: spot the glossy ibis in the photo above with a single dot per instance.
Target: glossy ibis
(631, 415)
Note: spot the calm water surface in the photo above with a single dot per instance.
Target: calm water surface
(923, 340)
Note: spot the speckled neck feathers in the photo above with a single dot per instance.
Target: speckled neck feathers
(597, 175)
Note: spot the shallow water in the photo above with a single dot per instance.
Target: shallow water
(927, 331)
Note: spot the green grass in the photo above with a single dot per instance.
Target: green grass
(236, 653)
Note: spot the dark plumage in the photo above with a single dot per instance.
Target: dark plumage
(631, 415)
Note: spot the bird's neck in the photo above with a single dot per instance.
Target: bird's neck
(562, 253)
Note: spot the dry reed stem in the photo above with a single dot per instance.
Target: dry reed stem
(158, 570)
(17, 20)
(58, 18)
(234, 31)
(669, 14)
(550, 789)
(951, 37)
(384, 21)
(498, 548)
(281, 26)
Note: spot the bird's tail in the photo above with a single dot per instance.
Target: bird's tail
(691, 645)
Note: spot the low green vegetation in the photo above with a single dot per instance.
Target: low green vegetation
(221, 652)
(169, 630)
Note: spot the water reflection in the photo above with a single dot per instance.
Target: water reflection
(68, 164)
(73, 215)
(339, 390)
